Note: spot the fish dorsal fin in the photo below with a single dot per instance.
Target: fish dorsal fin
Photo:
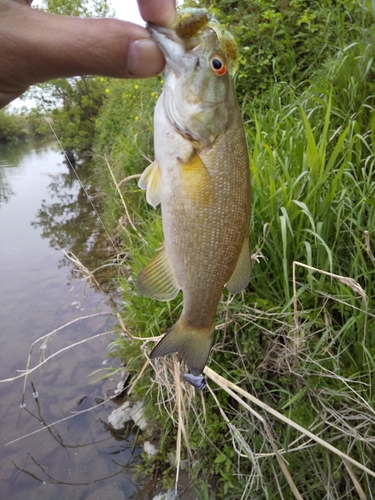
(150, 181)
(157, 280)
(241, 275)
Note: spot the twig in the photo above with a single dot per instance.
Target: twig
(353, 477)
(132, 337)
(129, 178)
(180, 421)
(31, 370)
(59, 421)
(140, 374)
(122, 200)
(47, 336)
(225, 384)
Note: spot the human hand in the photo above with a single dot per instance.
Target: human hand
(37, 46)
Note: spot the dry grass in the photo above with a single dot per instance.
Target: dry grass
(177, 397)
(43, 341)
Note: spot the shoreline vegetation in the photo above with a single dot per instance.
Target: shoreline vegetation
(23, 126)
(301, 337)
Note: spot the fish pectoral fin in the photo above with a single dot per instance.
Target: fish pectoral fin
(197, 185)
(157, 280)
(242, 273)
(150, 181)
(193, 344)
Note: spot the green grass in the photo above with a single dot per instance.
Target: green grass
(302, 342)
(313, 199)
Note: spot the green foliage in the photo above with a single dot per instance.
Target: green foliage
(38, 124)
(12, 127)
(312, 160)
(77, 8)
(352, 75)
(313, 185)
(28, 125)
(74, 121)
(298, 183)
(74, 103)
(285, 40)
(124, 133)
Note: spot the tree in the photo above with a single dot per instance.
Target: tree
(73, 103)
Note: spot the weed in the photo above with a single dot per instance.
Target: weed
(300, 338)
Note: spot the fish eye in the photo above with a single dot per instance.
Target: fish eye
(218, 65)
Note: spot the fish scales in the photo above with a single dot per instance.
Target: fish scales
(201, 178)
(210, 237)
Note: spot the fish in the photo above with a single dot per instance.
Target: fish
(201, 179)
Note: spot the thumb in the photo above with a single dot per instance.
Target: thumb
(37, 46)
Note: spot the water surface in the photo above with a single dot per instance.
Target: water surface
(43, 206)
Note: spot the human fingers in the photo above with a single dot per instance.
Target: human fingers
(37, 46)
(162, 12)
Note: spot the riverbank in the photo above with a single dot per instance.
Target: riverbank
(22, 127)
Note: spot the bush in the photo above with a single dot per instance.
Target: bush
(124, 134)
(12, 127)
(287, 40)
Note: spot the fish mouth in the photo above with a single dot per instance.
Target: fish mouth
(159, 32)
(169, 43)
(172, 46)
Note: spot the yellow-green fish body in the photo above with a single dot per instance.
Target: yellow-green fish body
(201, 178)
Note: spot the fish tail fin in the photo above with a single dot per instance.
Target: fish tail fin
(192, 343)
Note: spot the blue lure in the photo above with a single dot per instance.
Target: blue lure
(197, 381)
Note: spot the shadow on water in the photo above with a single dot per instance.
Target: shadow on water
(51, 449)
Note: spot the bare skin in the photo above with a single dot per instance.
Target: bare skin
(36, 46)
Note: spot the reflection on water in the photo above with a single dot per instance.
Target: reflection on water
(10, 156)
(69, 220)
(43, 207)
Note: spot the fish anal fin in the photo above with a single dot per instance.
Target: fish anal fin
(242, 272)
(193, 344)
(157, 280)
(150, 181)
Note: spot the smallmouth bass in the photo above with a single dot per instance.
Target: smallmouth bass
(201, 178)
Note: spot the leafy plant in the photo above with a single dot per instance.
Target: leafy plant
(300, 338)
(73, 103)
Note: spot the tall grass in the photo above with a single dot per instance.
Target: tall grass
(301, 337)
(313, 202)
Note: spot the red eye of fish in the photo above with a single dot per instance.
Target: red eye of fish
(218, 65)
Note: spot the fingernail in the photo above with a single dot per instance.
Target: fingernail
(145, 58)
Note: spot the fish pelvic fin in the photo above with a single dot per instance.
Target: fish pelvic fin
(150, 181)
(157, 280)
(242, 272)
(192, 343)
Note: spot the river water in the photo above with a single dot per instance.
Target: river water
(42, 207)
